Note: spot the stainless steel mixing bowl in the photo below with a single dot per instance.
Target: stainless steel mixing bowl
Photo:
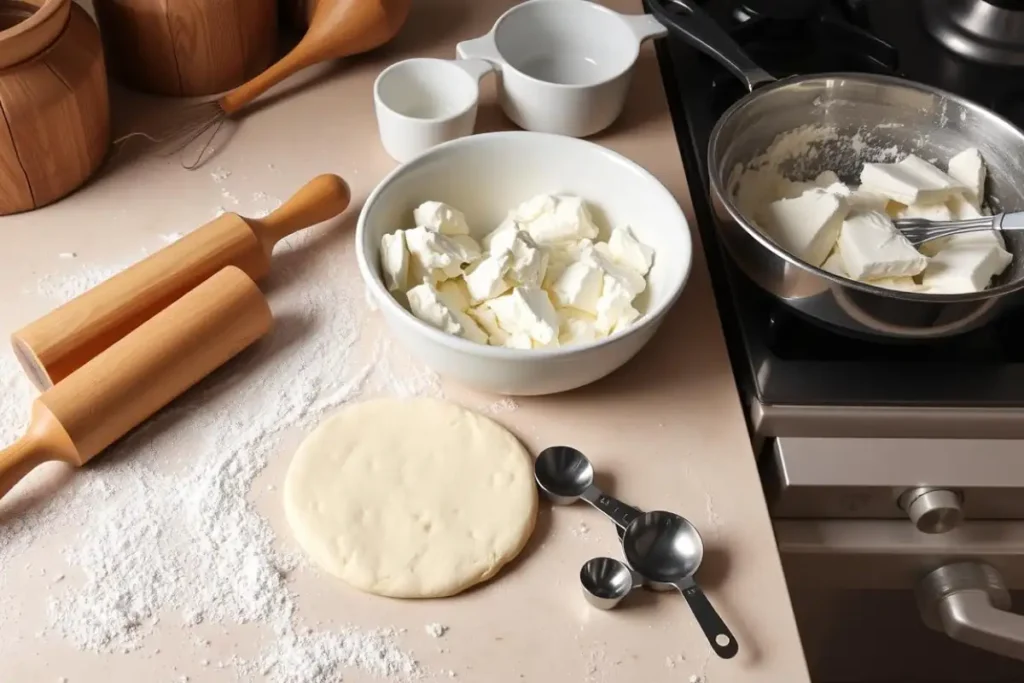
(870, 115)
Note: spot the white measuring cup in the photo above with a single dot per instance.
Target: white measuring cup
(423, 102)
(565, 65)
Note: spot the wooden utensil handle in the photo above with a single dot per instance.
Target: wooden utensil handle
(321, 198)
(44, 440)
(17, 460)
(306, 53)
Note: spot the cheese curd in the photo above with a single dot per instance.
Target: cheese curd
(540, 279)
(848, 231)
(872, 249)
(968, 169)
(910, 181)
(430, 306)
(807, 226)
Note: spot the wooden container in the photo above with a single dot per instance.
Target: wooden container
(298, 12)
(188, 47)
(53, 91)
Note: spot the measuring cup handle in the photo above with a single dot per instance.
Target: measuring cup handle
(703, 33)
(477, 68)
(712, 625)
(615, 509)
(483, 47)
(644, 26)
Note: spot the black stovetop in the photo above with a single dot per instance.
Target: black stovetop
(780, 358)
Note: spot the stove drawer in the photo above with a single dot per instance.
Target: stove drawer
(936, 482)
(959, 581)
(871, 554)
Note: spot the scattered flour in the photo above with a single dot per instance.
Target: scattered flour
(504, 405)
(269, 204)
(714, 520)
(436, 630)
(228, 196)
(60, 287)
(166, 533)
(171, 237)
(219, 175)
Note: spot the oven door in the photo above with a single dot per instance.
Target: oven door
(903, 556)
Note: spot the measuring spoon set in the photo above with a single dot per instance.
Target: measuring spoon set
(662, 549)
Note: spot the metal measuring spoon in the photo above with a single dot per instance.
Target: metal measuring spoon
(606, 581)
(666, 548)
(565, 476)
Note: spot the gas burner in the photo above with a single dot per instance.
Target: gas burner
(990, 31)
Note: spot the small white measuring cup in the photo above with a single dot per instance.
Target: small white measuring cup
(423, 102)
(565, 64)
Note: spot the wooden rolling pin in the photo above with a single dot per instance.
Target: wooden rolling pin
(54, 346)
(139, 374)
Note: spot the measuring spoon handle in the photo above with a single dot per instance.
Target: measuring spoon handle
(613, 508)
(717, 633)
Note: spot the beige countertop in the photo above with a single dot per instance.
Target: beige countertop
(666, 431)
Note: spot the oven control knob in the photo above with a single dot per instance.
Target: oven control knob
(933, 511)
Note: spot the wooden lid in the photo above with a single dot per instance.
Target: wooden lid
(45, 20)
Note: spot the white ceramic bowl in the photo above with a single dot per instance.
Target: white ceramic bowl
(487, 175)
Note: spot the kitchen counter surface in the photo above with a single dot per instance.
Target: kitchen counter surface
(666, 431)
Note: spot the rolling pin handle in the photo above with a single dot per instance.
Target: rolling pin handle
(320, 199)
(19, 459)
(44, 441)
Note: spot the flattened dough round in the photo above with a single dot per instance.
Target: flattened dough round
(411, 498)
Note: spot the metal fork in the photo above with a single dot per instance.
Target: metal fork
(921, 230)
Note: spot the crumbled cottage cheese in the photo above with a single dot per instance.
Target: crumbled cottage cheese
(537, 280)
(849, 231)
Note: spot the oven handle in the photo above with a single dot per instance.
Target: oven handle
(969, 602)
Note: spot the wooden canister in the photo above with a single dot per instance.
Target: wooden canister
(188, 47)
(298, 12)
(55, 130)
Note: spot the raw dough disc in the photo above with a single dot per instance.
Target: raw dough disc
(411, 498)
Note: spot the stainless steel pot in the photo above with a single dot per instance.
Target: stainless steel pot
(869, 114)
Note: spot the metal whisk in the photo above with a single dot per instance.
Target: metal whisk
(921, 230)
(337, 28)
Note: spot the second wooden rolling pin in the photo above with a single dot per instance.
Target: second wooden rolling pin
(54, 346)
(139, 374)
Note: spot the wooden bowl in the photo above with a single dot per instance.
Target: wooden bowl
(53, 92)
(27, 27)
(184, 49)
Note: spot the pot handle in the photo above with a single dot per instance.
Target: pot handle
(483, 47)
(644, 26)
(690, 23)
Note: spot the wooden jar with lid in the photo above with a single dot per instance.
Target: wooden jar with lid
(187, 48)
(55, 129)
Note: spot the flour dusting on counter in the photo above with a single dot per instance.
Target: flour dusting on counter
(435, 630)
(166, 531)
